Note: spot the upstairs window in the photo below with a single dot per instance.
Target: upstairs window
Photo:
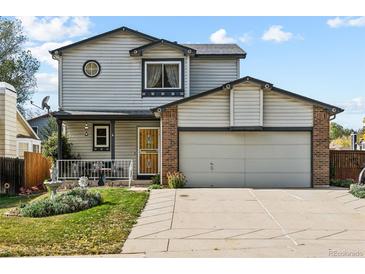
(163, 78)
(91, 68)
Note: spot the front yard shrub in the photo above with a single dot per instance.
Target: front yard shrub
(49, 147)
(358, 190)
(341, 182)
(176, 179)
(71, 201)
(156, 179)
(155, 186)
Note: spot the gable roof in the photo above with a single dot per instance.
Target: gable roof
(26, 126)
(217, 49)
(195, 49)
(143, 35)
(263, 84)
(189, 49)
(139, 50)
(40, 116)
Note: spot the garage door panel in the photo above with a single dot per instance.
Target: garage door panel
(212, 151)
(269, 180)
(210, 138)
(213, 165)
(277, 138)
(275, 165)
(215, 179)
(246, 159)
(277, 151)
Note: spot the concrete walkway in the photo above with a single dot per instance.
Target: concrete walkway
(249, 223)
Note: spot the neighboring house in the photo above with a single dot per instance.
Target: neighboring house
(127, 97)
(16, 135)
(39, 123)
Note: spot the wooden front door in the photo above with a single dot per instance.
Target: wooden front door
(147, 151)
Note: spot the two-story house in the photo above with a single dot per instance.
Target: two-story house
(128, 98)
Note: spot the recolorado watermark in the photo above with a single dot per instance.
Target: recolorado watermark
(345, 253)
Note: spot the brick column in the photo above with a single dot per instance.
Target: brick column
(169, 141)
(320, 147)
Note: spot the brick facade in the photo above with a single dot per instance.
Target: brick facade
(169, 141)
(320, 147)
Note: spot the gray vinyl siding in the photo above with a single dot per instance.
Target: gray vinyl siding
(125, 139)
(213, 110)
(83, 145)
(208, 111)
(282, 111)
(40, 123)
(208, 73)
(246, 105)
(119, 84)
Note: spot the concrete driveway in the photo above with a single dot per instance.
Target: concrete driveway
(249, 223)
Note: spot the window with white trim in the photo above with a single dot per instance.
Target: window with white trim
(36, 148)
(162, 75)
(101, 137)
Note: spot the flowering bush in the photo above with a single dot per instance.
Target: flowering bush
(358, 190)
(71, 201)
(176, 179)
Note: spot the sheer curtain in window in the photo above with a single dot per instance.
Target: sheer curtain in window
(172, 72)
(154, 73)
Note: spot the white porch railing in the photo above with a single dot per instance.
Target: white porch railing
(94, 169)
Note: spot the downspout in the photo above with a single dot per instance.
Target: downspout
(188, 76)
(158, 115)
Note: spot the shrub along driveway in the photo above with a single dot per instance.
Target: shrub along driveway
(249, 223)
(98, 230)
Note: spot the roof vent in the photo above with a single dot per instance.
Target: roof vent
(267, 86)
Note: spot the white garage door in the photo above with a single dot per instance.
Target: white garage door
(246, 159)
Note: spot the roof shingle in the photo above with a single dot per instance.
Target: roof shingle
(216, 49)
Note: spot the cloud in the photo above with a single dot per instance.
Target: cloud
(276, 34)
(245, 38)
(355, 105)
(42, 54)
(346, 22)
(46, 82)
(221, 37)
(55, 28)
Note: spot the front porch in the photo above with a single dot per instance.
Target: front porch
(109, 145)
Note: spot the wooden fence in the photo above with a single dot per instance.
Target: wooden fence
(28, 172)
(11, 175)
(346, 164)
(36, 169)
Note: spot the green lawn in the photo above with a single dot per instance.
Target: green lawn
(98, 230)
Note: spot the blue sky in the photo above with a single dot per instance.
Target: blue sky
(319, 57)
